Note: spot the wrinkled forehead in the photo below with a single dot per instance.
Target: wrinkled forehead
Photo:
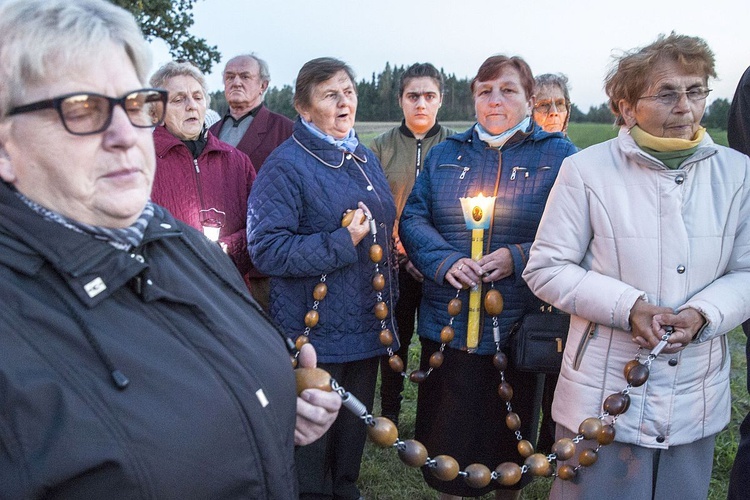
(242, 65)
(549, 91)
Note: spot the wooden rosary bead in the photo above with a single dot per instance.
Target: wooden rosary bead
(525, 448)
(500, 360)
(320, 291)
(383, 432)
(588, 457)
(590, 427)
(508, 473)
(513, 421)
(311, 318)
(312, 378)
(413, 454)
(396, 363)
(349, 217)
(381, 310)
(446, 468)
(418, 376)
(436, 359)
(629, 366)
(606, 435)
(538, 465)
(454, 306)
(617, 403)
(378, 282)
(376, 253)
(478, 475)
(447, 334)
(505, 391)
(638, 375)
(566, 472)
(564, 449)
(300, 341)
(493, 303)
(386, 337)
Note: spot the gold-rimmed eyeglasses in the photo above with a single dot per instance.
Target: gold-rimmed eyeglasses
(85, 113)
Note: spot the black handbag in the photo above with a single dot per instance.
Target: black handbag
(537, 341)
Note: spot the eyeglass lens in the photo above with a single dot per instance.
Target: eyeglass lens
(671, 97)
(86, 113)
(546, 106)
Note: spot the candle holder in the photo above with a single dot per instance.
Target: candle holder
(477, 215)
(212, 220)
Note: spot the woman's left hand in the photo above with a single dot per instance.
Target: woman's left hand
(497, 265)
(464, 273)
(687, 323)
(316, 409)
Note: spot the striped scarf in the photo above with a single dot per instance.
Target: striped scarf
(120, 238)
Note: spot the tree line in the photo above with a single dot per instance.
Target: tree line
(378, 96)
(378, 101)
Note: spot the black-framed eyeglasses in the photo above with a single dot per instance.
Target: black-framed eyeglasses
(546, 105)
(85, 113)
(672, 97)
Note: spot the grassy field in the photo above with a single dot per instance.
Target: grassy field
(583, 135)
(384, 477)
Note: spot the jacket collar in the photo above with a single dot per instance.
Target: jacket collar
(164, 141)
(408, 133)
(325, 153)
(92, 269)
(534, 133)
(706, 148)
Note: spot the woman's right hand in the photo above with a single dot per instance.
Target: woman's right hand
(360, 225)
(645, 330)
(464, 273)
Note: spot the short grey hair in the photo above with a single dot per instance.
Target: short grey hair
(40, 37)
(553, 80)
(172, 69)
(263, 71)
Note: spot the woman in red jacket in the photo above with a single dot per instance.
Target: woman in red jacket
(200, 179)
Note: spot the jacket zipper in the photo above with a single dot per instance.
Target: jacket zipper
(516, 170)
(590, 330)
(198, 183)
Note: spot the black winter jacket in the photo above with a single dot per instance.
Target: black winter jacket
(209, 411)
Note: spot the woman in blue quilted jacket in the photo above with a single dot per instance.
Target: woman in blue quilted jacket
(326, 279)
(459, 412)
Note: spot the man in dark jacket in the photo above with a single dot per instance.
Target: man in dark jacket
(252, 128)
(738, 134)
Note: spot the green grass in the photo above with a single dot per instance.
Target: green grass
(583, 135)
(385, 477)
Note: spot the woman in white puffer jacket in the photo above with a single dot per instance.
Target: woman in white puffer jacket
(642, 232)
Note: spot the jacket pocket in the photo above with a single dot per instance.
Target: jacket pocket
(583, 344)
(458, 168)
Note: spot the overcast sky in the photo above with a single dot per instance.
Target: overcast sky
(576, 37)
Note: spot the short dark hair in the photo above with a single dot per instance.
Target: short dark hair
(493, 66)
(420, 70)
(629, 77)
(314, 72)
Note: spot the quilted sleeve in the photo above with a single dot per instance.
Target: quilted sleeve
(276, 245)
(426, 247)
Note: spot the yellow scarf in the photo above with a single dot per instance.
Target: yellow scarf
(662, 144)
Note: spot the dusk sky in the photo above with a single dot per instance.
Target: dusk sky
(574, 37)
